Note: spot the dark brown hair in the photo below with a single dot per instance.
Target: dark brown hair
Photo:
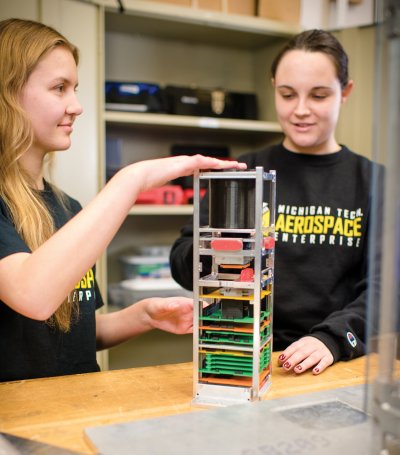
(318, 41)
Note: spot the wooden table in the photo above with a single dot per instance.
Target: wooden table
(56, 410)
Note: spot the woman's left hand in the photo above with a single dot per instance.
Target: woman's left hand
(306, 353)
(171, 314)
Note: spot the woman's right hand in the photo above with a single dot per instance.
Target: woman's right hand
(157, 172)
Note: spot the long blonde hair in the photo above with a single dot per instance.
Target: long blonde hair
(22, 44)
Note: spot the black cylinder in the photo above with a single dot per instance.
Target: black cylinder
(232, 203)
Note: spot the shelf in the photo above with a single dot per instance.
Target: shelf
(161, 210)
(177, 22)
(182, 121)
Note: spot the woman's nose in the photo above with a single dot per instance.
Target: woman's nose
(74, 107)
(302, 107)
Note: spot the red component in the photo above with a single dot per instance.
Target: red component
(247, 274)
(188, 195)
(269, 242)
(227, 244)
(165, 195)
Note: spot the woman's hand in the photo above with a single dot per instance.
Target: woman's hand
(306, 353)
(153, 173)
(171, 314)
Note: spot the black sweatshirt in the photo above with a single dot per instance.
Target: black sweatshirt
(322, 217)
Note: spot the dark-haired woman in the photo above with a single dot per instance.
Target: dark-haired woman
(322, 208)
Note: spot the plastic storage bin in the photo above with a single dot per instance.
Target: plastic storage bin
(130, 291)
(145, 267)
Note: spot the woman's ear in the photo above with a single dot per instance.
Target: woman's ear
(347, 90)
(273, 82)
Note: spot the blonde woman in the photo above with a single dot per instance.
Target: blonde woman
(48, 243)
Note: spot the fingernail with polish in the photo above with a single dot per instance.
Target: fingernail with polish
(316, 370)
(299, 367)
(281, 357)
(286, 365)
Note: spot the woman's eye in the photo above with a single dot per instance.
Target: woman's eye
(287, 95)
(318, 96)
(59, 88)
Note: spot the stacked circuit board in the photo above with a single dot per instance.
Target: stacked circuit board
(234, 301)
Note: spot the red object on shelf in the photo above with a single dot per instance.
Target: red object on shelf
(247, 275)
(269, 243)
(165, 195)
(227, 244)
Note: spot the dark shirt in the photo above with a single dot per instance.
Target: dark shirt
(32, 349)
(322, 218)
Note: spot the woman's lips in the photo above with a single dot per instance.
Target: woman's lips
(67, 127)
(303, 126)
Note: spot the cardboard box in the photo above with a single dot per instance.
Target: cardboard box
(282, 10)
(211, 5)
(175, 2)
(247, 7)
